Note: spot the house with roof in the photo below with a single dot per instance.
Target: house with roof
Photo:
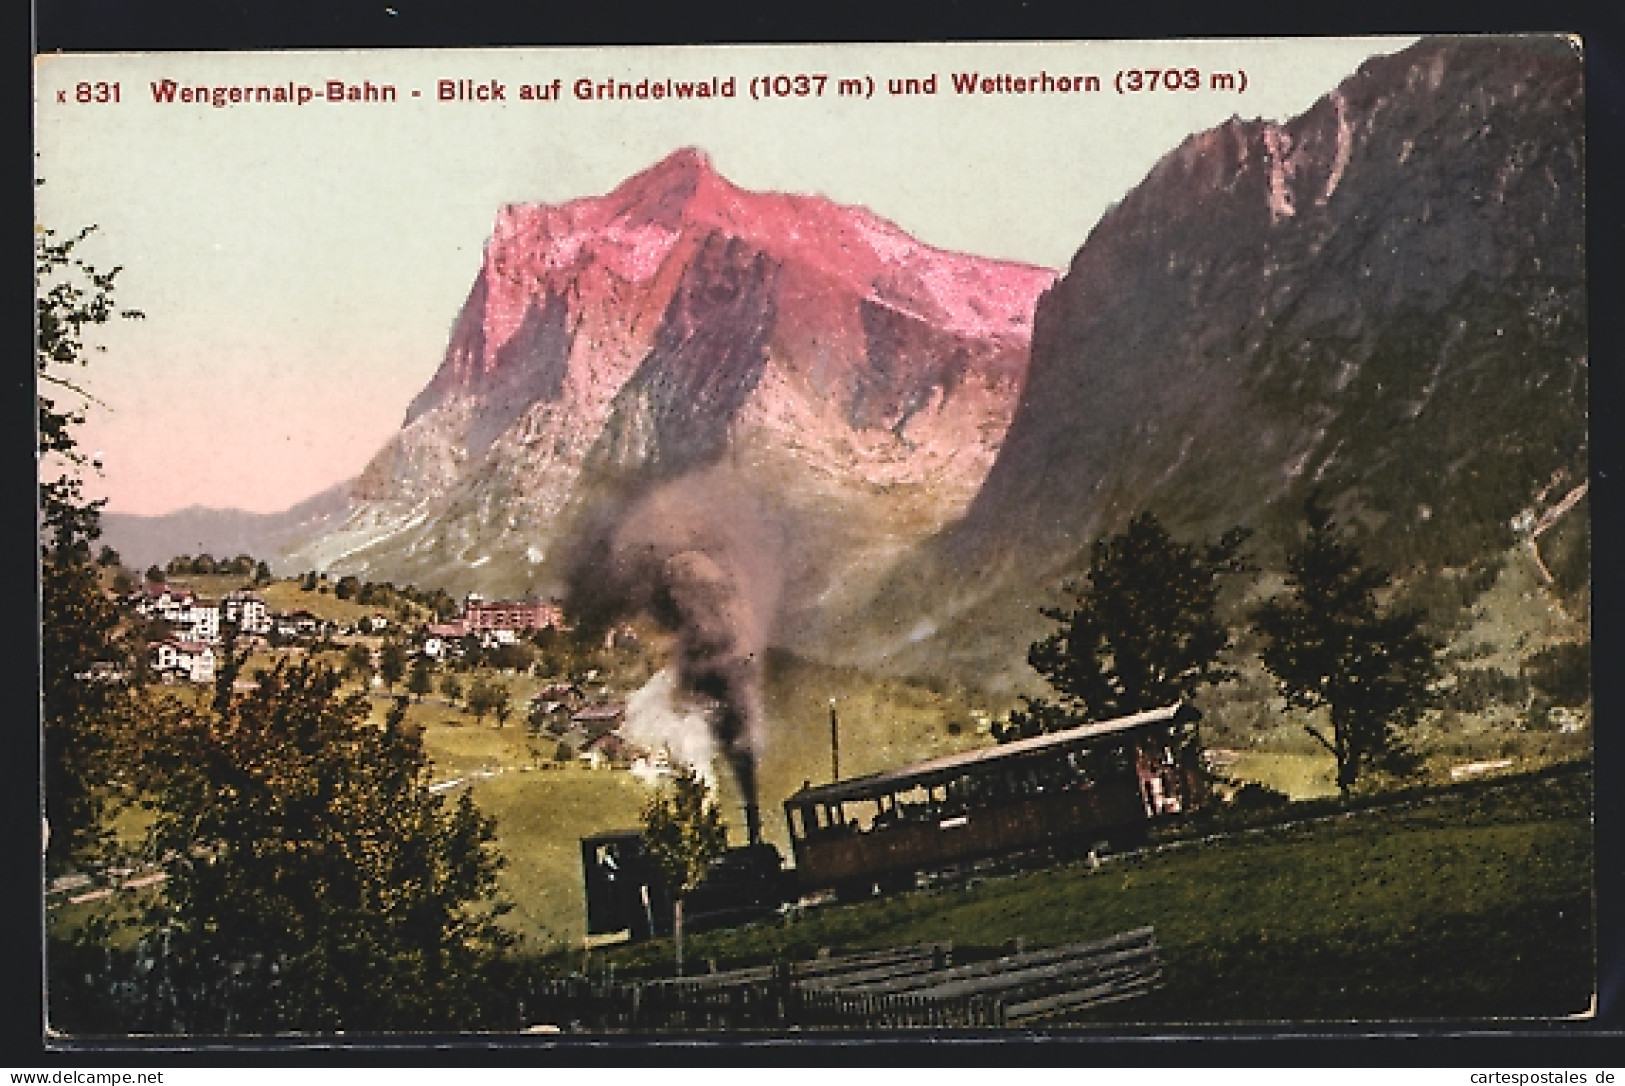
(595, 720)
(191, 618)
(299, 623)
(247, 609)
(515, 616)
(610, 750)
(176, 659)
(651, 767)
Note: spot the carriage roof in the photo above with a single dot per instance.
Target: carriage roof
(947, 767)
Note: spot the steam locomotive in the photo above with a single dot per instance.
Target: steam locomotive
(1062, 793)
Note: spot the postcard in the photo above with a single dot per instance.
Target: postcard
(759, 540)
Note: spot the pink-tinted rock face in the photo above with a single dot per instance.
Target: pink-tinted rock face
(678, 321)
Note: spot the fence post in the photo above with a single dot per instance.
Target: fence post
(786, 995)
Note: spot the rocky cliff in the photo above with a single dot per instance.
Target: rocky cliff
(861, 378)
(1382, 299)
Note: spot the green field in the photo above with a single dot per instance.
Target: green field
(1472, 905)
(1300, 776)
(543, 811)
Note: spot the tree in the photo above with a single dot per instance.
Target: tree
(683, 834)
(485, 696)
(358, 661)
(262, 573)
(420, 681)
(1562, 672)
(1329, 644)
(79, 623)
(1144, 633)
(515, 657)
(451, 687)
(314, 880)
(392, 663)
(348, 587)
(155, 574)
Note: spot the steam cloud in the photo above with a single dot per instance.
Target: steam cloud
(700, 556)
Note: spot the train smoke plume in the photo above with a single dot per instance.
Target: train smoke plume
(700, 556)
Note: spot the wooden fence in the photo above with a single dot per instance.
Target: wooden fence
(900, 988)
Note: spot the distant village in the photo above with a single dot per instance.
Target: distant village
(579, 714)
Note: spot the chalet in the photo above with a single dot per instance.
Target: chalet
(102, 671)
(491, 639)
(552, 717)
(651, 767)
(595, 720)
(159, 600)
(298, 624)
(608, 750)
(567, 693)
(247, 609)
(178, 659)
(444, 640)
(570, 744)
(192, 618)
(201, 622)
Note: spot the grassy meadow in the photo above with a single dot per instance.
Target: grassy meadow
(543, 808)
(1470, 904)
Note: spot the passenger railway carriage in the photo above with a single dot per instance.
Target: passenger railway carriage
(1066, 791)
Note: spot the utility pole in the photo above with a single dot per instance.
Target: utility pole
(834, 744)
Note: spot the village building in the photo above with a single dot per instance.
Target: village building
(247, 609)
(192, 618)
(564, 693)
(517, 615)
(102, 671)
(200, 623)
(481, 615)
(595, 720)
(192, 661)
(159, 600)
(608, 751)
(298, 624)
(651, 767)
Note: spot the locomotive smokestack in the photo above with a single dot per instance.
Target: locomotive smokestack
(753, 823)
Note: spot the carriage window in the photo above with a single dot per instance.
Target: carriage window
(913, 805)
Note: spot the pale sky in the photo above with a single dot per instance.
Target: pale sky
(301, 265)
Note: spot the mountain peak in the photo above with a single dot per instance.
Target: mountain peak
(663, 193)
(685, 162)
